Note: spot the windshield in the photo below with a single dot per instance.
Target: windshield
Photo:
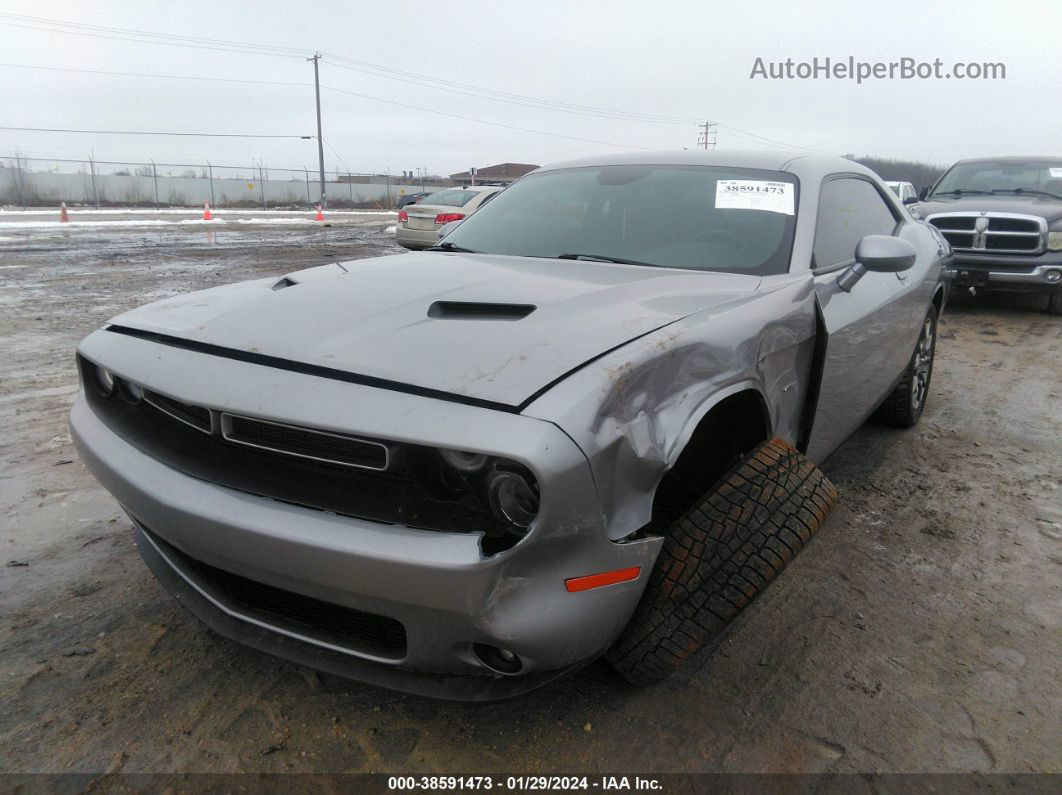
(1034, 176)
(451, 198)
(694, 217)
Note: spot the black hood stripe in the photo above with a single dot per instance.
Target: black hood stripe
(312, 369)
(367, 380)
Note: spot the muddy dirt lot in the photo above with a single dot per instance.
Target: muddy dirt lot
(920, 631)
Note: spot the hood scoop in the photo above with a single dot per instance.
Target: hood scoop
(474, 310)
(284, 282)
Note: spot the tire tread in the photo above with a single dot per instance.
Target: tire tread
(719, 556)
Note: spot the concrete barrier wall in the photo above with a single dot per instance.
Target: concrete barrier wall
(41, 188)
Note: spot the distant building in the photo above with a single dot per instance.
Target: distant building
(503, 173)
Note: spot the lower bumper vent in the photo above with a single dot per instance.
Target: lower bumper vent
(316, 619)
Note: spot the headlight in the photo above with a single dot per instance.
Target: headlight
(1054, 241)
(134, 393)
(513, 498)
(464, 462)
(104, 379)
(505, 488)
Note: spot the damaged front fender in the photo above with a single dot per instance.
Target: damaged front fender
(633, 411)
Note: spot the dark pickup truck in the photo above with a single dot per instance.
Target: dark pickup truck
(1003, 219)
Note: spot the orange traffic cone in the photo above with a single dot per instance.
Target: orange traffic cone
(206, 212)
(320, 214)
(64, 218)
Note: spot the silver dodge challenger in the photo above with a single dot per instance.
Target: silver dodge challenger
(583, 424)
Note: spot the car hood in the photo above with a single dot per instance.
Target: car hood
(371, 317)
(1040, 206)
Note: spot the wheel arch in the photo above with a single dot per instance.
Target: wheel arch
(939, 298)
(726, 426)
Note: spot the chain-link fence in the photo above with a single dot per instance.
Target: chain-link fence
(40, 182)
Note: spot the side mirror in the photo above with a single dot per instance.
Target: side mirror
(922, 194)
(910, 200)
(879, 254)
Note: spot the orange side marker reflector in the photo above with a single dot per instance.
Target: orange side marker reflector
(605, 578)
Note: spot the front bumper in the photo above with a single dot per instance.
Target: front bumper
(444, 591)
(212, 609)
(1041, 274)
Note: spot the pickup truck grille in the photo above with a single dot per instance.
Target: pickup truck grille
(991, 233)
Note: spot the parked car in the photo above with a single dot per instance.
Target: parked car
(418, 225)
(583, 424)
(904, 191)
(1003, 218)
(410, 198)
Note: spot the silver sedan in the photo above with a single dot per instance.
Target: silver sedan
(419, 224)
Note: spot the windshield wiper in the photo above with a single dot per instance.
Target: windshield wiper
(602, 258)
(444, 246)
(1030, 191)
(958, 192)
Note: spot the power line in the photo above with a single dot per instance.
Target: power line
(144, 36)
(153, 75)
(143, 132)
(483, 121)
(773, 141)
(338, 156)
(161, 164)
(143, 41)
(304, 85)
(225, 45)
(377, 70)
(512, 99)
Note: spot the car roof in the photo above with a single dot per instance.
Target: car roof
(768, 160)
(473, 188)
(1012, 159)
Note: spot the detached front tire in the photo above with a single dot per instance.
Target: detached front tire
(719, 555)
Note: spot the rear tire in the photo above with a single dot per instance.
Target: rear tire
(904, 405)
(1054, 303)
(720, 555)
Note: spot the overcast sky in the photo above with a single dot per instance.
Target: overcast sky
(686, 60)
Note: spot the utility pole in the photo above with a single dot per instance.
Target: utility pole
(320, 140)
(706, 139)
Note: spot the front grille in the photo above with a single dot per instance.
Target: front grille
(305, 615)
(196, 416)
(300, 475)
(303, 442)
(988, 232)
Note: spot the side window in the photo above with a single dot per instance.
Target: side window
(849, 209)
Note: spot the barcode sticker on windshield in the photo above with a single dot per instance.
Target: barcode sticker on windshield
(1056, 173)
(754, 194)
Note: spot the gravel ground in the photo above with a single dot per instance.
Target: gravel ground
(921, 630)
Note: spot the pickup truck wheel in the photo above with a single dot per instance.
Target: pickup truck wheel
(904, 406)
(1054, 303)
(719, 555)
